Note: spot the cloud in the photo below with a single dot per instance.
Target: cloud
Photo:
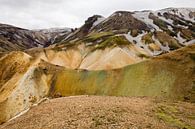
(34, 14)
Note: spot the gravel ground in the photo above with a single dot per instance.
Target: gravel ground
(93, 112)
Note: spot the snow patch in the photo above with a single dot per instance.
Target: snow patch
(169, 21)
(180, 39)
(181, 12)
(190, 42)
(18, 36)
(55, 30)
(170, 28)
(137, 42)
(144, 17)
(98, 21)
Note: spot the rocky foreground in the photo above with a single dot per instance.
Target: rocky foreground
(103, 112)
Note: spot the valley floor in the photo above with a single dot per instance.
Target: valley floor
(103, 112)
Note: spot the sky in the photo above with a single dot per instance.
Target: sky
(39, 14)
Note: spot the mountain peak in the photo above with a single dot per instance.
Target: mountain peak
(121, 20)
(121, 12)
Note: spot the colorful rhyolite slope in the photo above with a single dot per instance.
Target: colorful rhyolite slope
(126, 54)
(26, 80)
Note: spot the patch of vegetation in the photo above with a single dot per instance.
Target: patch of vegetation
(95, 36)
(148, 38)
(187, 34)
(173, 121)
(91, 38)
(160, 23)
(112, 41)
(168, 113)
(141, 55)
(64, 45)
(176, 22)
(164, 39)
(192, 56)
(56, 49)
(135, 32)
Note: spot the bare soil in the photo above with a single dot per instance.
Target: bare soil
(95, 112)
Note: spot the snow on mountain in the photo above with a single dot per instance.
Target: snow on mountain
(98, 21)
(144, 17)
(186, 13)
(54, 30)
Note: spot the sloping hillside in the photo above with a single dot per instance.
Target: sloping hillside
(116, 53)
(161, 77)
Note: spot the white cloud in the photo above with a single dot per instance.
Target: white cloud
(35, 14)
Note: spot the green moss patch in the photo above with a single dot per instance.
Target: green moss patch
(112, 41)
(96, 36)
(164, 38)
(148, 38)
(170, 115)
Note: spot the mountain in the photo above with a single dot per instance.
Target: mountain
(122, 39)
(173, 21)
(147, 27)
(14, 38)
(53, 33)
(135, 54)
